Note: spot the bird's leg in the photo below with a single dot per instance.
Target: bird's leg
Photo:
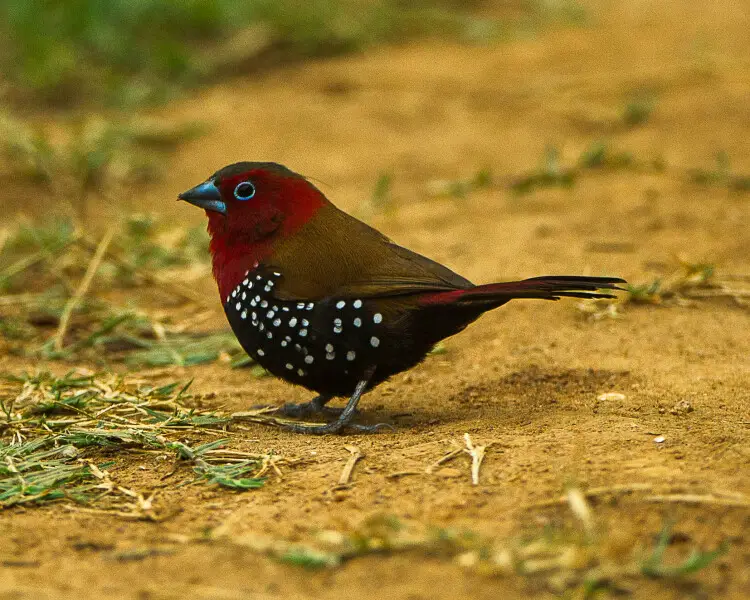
(306, 409)
(346, 416)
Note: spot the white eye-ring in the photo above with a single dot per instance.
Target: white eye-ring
(244, 190)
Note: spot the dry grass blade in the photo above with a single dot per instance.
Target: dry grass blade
(174, 288)
(581, 509)
(446, 458)
(614, 490)
(83, 288)
(699, 499)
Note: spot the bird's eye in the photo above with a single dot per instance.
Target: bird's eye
(244, 191)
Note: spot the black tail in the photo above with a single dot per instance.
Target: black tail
(549, 287)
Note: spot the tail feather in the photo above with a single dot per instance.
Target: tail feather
(550, 287)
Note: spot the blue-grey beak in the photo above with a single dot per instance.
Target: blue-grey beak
(206, 196)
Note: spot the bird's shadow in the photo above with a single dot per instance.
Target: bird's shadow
(517, 395)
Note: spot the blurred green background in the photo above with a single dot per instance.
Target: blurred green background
(123, 53)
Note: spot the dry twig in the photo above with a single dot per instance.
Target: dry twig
(477, 456)
(354, 455)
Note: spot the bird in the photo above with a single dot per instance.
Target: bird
(320, 299)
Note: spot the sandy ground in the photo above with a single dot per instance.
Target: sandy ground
(525, 377)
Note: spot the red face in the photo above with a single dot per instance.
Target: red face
(250, 206)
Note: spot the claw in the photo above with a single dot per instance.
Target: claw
(371, 428)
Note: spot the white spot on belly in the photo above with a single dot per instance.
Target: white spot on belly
(351, 355)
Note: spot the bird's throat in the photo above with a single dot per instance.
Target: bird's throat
(231, 261)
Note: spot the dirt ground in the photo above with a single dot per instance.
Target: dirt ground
(525, 377)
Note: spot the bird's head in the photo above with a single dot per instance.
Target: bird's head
(250, 207)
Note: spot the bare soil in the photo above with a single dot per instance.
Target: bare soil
(525, 377)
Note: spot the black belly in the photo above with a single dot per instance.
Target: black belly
(327, 345)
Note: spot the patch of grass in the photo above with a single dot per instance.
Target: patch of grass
(34, 472)
(559, 11)
(93, 156)
(41, 267)
(574, 561)
(460, 188)
(381, 194)
(638, 109)
(600, 155)
(232, 476)
(678, 288)
(381, 199)
(145, 244)
(124, 53)
(550, 174)
(52, 428)
(686, 285)
(721, 175)
(645, 293)
(185, 350)
(653, 564)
